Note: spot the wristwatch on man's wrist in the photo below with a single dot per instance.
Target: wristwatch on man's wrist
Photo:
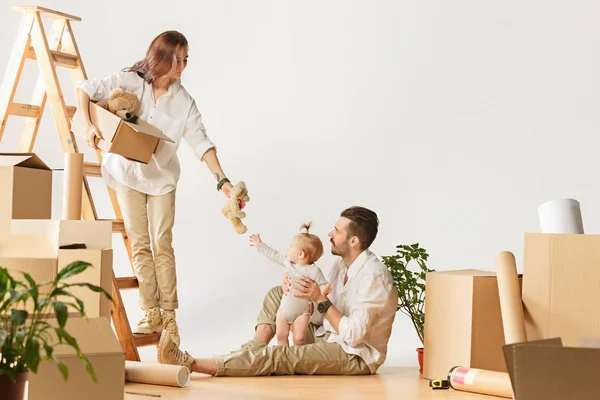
(323, 306)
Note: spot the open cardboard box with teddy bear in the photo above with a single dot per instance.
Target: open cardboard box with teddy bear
(124, 133)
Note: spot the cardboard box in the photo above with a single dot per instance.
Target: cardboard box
(463, 322)
(34, 246)
(135, 139)
(561, 288)
(26, 187)
(60, 233)
(545, 370)
(100, 345)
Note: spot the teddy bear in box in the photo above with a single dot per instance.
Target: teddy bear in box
(122, 103)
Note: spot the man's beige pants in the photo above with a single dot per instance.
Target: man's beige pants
(149, 223)
(316, 358)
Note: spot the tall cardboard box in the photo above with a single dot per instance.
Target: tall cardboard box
(100, 345)
(135, 139)
(561, 287)
(463, 323)
(26, 187)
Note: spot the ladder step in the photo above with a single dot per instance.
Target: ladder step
(117, 225)
(47, 12)
(129, 282)
(92, 169)
(24, 110)
(61, 59)
(146, 340)
(71, 110)
(65, 59)
(30, 111)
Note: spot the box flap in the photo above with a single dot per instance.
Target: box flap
(94, 234)
(105, 121)
(467, 272)
(141, 126)
(26, 160)
(94, 336)
(26, 246)
(545, 370)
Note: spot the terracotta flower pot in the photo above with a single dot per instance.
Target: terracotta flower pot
(420, 351)
(13, 390)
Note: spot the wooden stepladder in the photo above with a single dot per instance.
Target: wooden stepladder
(59, 49)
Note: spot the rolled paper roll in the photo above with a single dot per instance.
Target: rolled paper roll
(156, 374)
(124, 114)
(481, 381)
(511, 303)
(561, 216)
(72, 186)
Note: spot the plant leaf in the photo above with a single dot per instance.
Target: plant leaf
(3, 336)
(89, 368)
(18, 295)
(71, 341)
(93, 288)
(4, 279)
(49, 351)
(72, 269)
(59, 292)
(81, 306)
(18, 317)
(60, 309)
(32, 354)
(64, 370)
(33, 287)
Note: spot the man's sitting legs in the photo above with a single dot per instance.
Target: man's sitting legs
(320, 358)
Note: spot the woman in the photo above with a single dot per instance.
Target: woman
(146, 192)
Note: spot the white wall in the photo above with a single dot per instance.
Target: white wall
(452, 120)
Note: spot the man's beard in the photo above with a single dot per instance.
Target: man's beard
(340, 250)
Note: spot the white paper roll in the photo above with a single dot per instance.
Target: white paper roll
(156, 374)
(561, 216)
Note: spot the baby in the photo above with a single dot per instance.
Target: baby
(305, 249)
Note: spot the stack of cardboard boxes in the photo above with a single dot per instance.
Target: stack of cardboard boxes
(561, 300)
(30, 241)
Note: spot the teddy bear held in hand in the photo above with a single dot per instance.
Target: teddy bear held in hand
(233, 207)
(122, 103)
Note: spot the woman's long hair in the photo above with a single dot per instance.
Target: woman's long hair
(159, 56)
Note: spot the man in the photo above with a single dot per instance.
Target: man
(358, 315)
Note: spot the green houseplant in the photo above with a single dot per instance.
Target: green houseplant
(410, 285)
(27, 338)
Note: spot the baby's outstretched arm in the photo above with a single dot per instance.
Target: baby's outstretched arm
(270, 253)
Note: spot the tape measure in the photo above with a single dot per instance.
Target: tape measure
(439, 384)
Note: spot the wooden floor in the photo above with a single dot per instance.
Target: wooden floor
(389, 383)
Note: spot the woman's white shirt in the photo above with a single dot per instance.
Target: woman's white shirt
(174, 113)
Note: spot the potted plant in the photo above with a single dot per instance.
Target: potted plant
(410, 286)
(25, 335)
